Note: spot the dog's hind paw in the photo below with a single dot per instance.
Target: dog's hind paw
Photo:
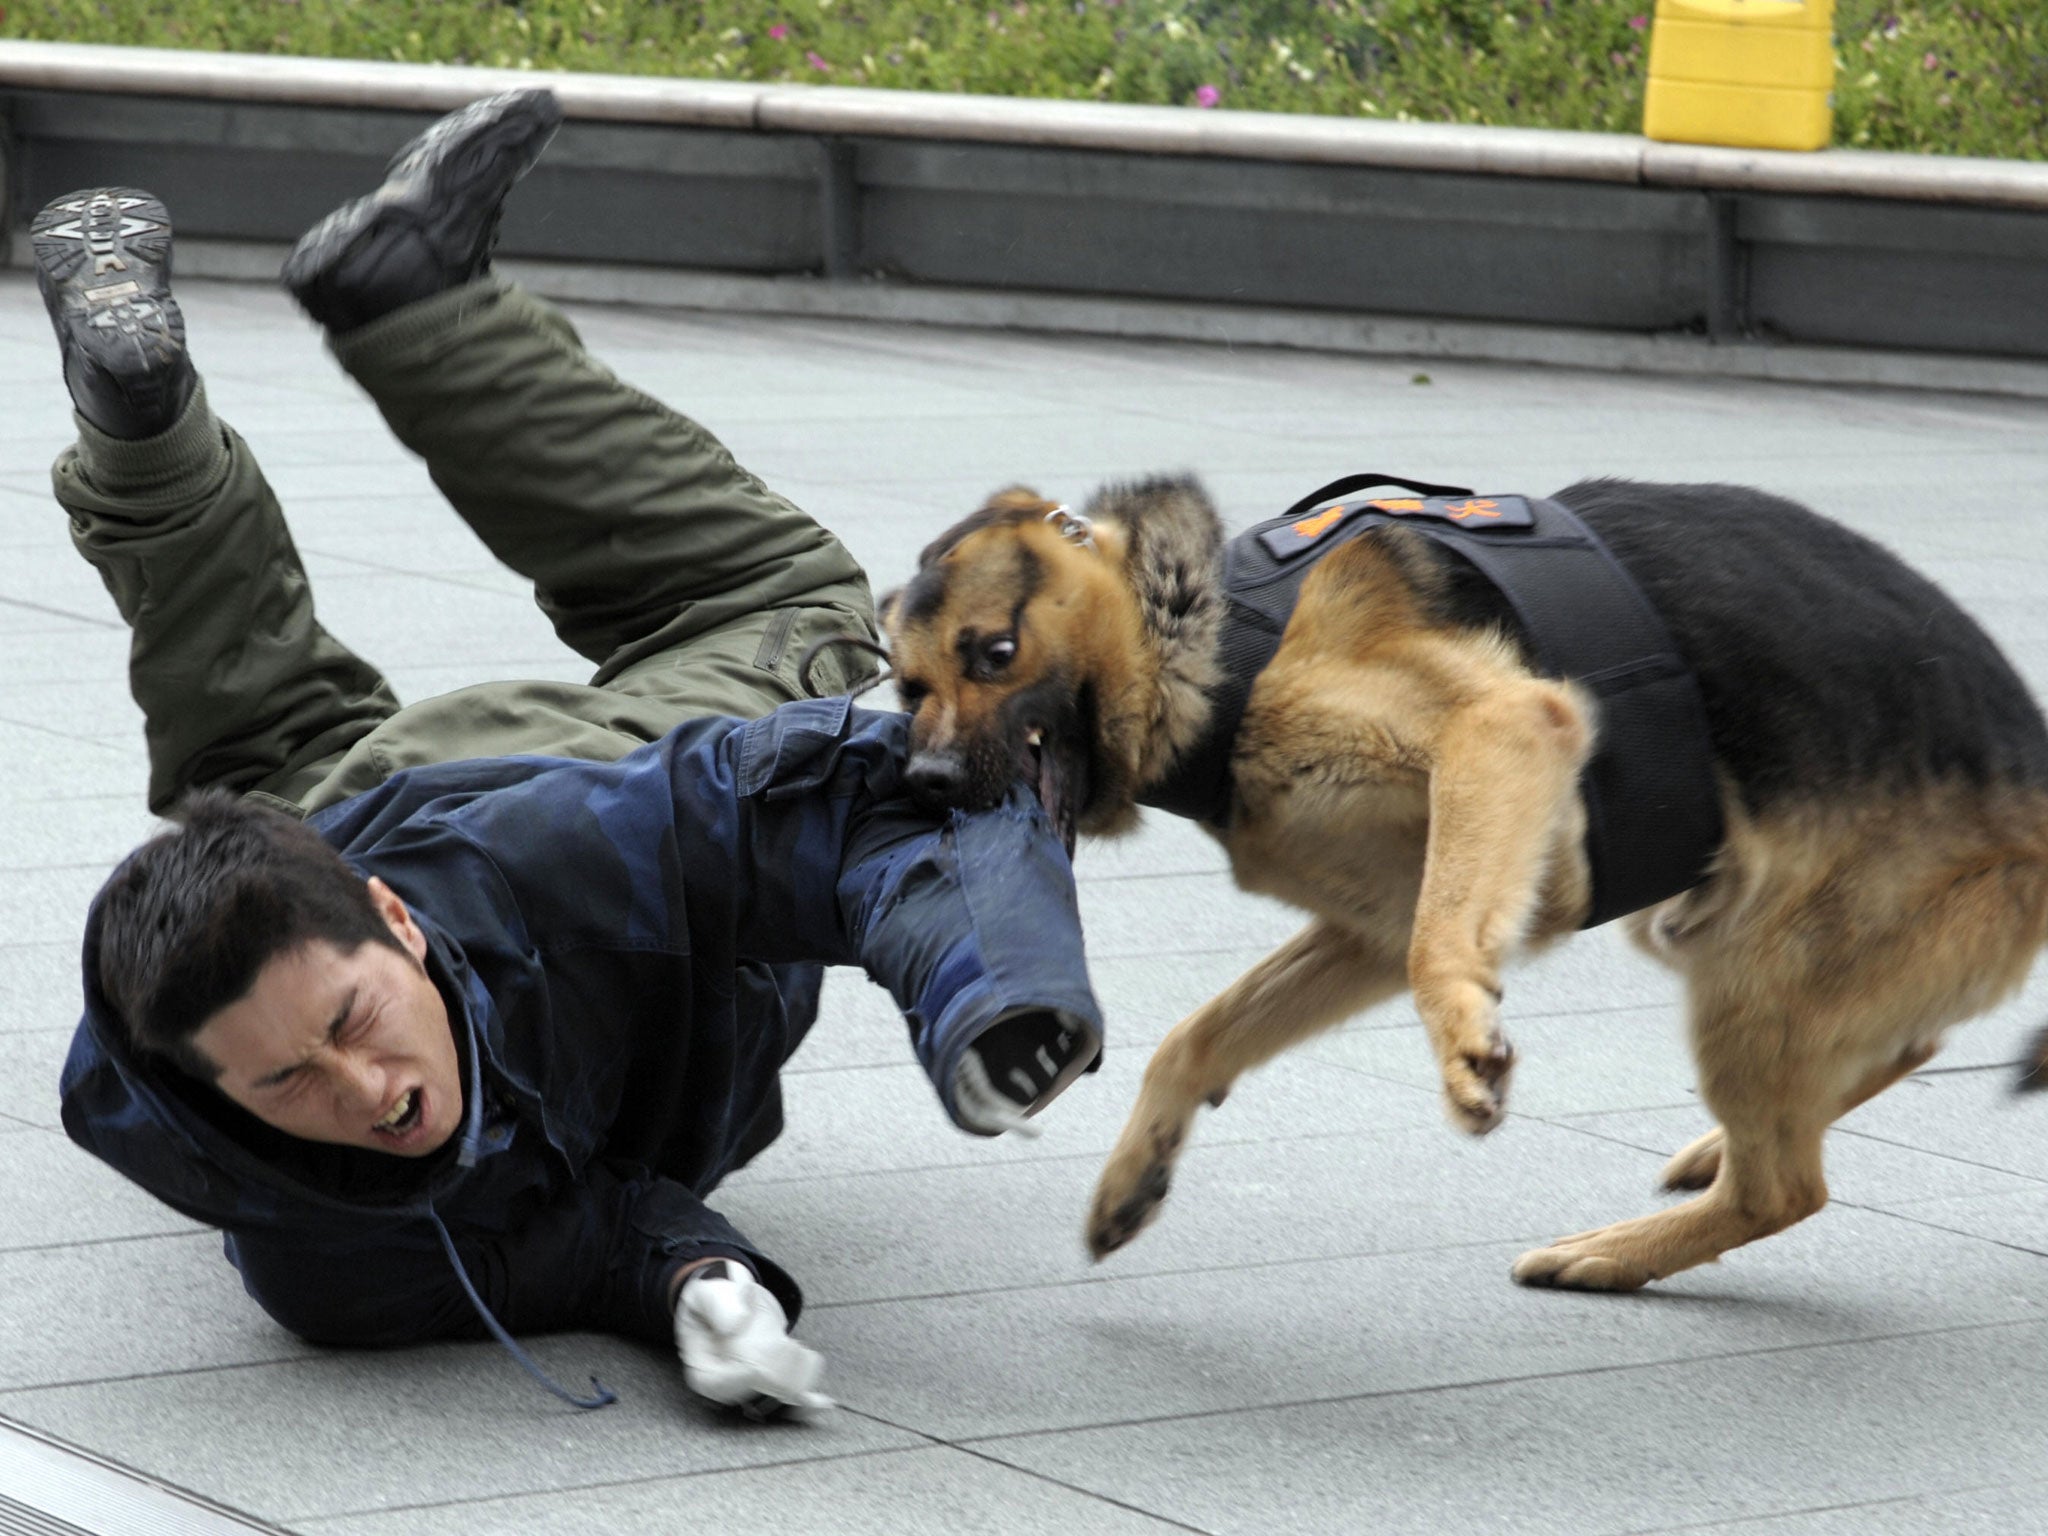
(1570, 1267)
(1696, 1164)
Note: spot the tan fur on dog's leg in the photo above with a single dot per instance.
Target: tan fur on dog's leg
(1695, 1164)
(1506, 768)
(1769, 1174)
(1875, 934)
(1318, 978)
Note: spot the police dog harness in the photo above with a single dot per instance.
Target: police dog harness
(1653, 808)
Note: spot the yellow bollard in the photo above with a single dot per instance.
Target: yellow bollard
(1754, 73)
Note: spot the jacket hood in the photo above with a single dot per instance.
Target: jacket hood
(202, 1154)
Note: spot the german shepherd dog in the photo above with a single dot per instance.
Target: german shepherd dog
(1406, 774)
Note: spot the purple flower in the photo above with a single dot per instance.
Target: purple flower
(1639, 22)
(778, 31)
(1932, 61)
(1207, 95)
(816, 60)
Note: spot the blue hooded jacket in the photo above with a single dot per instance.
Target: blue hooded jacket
(629, 951)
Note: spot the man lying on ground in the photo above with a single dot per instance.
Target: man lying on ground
(451, 1015)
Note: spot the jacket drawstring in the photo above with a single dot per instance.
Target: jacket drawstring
(473, 1126)
(465, 1157)
(604, 1394)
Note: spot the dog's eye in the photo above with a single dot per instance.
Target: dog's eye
(911, 695)
(999, 652)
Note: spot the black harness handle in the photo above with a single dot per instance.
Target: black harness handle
(1366, 481)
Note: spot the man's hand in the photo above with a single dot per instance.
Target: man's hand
(736, 1348)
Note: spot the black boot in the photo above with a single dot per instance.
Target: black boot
(103, 261)
(431, 225)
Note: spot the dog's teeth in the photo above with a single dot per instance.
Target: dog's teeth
(1034, 738)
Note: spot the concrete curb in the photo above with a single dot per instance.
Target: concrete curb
(1391, 336)
(832, 110)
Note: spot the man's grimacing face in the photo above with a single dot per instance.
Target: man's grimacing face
(350, 1048)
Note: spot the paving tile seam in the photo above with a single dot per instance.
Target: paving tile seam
(117, 800)
(1825, 1509)
(69, 631)
(59, 869)
(1411, 1020)
(1833, 1200)
(331, 1516)
(1446, 1387)
(107, 678)
(80, 1383)
(1618, 1109)
(1907, 1146)
(2032, 1186)
(74, 797)
(937, 1441)
(1991, 1066)
(1192, 952)
(895, 1060)
(1180, 1273)
(1091, 1494)
(1906, 1215)
(91, 620)
(187, 1234)
(105, 741)
(1052, 1160)
(1087, 877)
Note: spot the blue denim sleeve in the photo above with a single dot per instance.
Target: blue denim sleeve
(965, 919)
(967, 922)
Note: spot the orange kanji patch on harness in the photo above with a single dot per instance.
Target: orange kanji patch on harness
(1318, 530)
(1477, 506)
(1321, 522)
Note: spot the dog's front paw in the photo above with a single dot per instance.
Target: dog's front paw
(1575, 1264)
(1476, 1086)
(1133, 1187)
(1117, 1216)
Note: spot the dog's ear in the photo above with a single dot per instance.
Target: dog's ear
(1016, 498)
(1012, 504)
(885, 610)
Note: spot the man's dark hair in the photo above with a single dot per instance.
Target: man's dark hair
(193, 915)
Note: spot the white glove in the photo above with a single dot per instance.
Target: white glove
(736, 1348)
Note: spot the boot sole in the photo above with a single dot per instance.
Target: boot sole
(103, 263)
(456, 151)
(102, 247)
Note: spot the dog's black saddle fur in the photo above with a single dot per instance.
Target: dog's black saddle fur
(1653, 809)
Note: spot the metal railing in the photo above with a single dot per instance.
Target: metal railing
(1313, 220)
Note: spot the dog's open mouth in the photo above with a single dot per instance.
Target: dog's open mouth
(1058, 773)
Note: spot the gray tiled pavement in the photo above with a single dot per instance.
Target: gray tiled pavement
(1320, 1336)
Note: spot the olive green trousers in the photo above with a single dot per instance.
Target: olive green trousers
(689, 586)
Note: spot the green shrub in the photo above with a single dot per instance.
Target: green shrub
(1954, 80)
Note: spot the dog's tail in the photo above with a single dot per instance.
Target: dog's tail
(2034, 1065)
